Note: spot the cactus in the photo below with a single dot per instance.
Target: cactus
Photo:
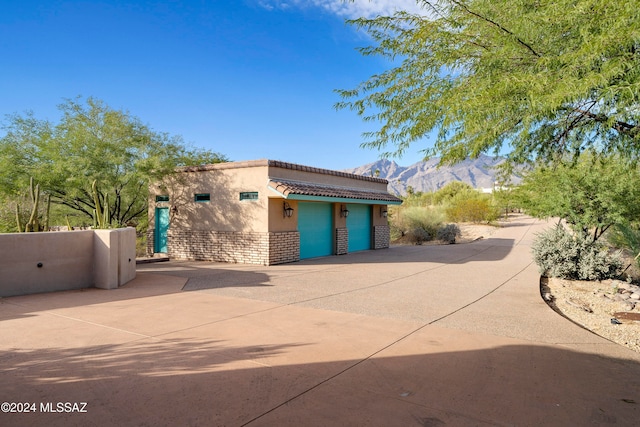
(19, 219)
(33, 224)
(45, 220)
(34, 220)
(100, 216)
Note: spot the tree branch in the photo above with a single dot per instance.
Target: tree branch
(503, 29)
(620, 126)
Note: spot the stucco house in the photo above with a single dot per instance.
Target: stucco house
(266, 212)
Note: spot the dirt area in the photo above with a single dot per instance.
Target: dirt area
(603, 307)
(471, 232)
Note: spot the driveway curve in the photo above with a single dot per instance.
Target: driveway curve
(411, 335)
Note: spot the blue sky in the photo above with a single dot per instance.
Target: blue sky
(248, 78)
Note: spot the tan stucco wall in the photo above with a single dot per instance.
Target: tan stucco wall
(277, 221)
(114, 253)
(338, 220)
(67, 259)
(377, 219)
(225, 211)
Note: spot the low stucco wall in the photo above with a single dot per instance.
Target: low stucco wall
(56, 261)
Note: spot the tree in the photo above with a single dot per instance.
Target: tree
(543, 77)
(591, 195)
(449, 191)
(92, 142)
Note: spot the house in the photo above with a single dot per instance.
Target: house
(266, 212)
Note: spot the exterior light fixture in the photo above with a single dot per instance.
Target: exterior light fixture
(287, 210)
(344, 212)
(383, 212)
(174, 209)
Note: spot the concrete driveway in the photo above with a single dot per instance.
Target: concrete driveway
(416, 335)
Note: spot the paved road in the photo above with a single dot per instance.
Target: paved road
(413, 335)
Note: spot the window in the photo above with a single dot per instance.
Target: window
(162, 198)
(202, 197)
(253, 195)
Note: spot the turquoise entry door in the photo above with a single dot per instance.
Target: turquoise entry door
(315, 224)
(161, 230)
(359, 227)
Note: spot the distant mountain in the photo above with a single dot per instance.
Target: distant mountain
(427, 176)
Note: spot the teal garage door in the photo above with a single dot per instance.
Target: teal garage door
(315, 225)
(359, 227)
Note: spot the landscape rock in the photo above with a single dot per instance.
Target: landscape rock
(606, 301)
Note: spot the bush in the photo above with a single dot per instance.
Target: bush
(418, 235)
(417, 224)
(448, 233)
(559, 253)
(471, 206)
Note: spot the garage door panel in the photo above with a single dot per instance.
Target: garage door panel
(315, 224)
(359, 227)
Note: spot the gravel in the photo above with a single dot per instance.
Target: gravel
(606, 308)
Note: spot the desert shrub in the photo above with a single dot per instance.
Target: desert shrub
(471, 206)
(418, 235)
(417, 224)
(448, 233)
(417, 199)
(558, 253)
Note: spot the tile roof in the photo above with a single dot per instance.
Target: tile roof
(298, 188)
(281, 165)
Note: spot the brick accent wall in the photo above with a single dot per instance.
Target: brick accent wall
(342, 241)
(150, 242)
(381, 236)
(284, 247)
(235, 247)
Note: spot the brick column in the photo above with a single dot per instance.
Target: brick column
(342, 241)
(150, 241)
(381, 236)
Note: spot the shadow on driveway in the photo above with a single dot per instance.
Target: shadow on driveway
(209, 382)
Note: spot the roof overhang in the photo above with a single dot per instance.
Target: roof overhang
(306, 191)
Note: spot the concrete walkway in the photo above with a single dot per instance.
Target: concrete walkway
(416, 335)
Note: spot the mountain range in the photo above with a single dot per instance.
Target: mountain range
(427, 176)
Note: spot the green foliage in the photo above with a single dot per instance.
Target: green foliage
(449, 191)
(141, 246)
(505, 199)
(471, 206)
(559, 253)
(448, 233)
(591, 194)
(92, 142)
(626, 236)
(418, 199)
(545, 78)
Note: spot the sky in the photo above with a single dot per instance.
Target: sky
(251, 79)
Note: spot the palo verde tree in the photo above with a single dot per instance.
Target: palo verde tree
(95, 146)
(541, 77)
(591, 194)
